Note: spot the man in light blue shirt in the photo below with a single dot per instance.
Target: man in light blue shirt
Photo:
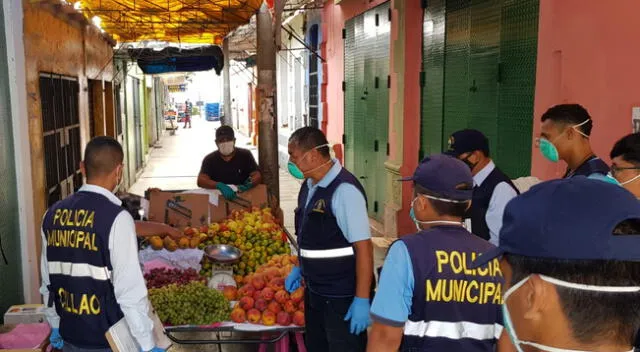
(336, 254)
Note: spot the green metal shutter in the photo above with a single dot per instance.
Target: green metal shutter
(11, 290)
(489, 58)
(518, 53)
(483, 68)
(381, 53)
(432, 78)
(366, 111)
(456, 88)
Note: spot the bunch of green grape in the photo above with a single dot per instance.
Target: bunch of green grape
(190, 304)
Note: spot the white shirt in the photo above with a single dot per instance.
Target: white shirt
(128, 282)
(502, 194)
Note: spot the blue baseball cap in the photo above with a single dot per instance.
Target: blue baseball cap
(443, 175)
(467, 141)
(568, 219)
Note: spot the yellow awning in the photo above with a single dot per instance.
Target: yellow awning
(184, 21)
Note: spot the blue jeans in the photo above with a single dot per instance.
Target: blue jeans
(71, 348)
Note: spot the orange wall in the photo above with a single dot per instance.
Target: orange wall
(587, 54)
(53, 45)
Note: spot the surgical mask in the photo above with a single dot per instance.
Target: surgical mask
(295, 171)
(630, 180)
(549, 150)
(608, 178)
(508, 325)
(118, 185)
(412, 213)
(226, 148)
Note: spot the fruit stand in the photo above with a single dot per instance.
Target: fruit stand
(237, 285)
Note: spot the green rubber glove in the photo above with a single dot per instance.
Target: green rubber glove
(247, 185)
(227, 192)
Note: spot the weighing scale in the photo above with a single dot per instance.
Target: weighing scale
(222, 257)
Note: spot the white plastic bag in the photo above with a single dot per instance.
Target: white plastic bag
(180, 259)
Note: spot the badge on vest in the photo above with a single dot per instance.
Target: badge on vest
(319, 206)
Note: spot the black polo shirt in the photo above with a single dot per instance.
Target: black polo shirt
(593, 165)
(233, 172)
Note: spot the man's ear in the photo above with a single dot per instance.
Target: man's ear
(83, 169)
(538, 296)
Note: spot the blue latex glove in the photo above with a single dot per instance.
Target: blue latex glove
(292, 282)
(247, 185)
(55, 339)
(227, 192)
(156, 349)
(359, 315)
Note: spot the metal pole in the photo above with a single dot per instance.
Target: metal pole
(266, 101)
(227, 120)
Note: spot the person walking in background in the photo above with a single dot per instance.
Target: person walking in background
(91, 277)
(336, 253)
(492, 189)
(187, 113)
(415, 308)
(565, 135)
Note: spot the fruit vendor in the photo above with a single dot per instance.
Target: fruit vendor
(229, 165)
(428, 298)
(492, 188)
(564, 135)
(336, 254)
(91, 277)
(570, 253)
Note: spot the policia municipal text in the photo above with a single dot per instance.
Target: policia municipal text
(91, 277)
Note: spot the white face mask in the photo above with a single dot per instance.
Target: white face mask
(226, 148)
(412, 213)
(630, 180)
(508, 325)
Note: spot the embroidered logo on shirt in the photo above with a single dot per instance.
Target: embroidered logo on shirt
(319, 206)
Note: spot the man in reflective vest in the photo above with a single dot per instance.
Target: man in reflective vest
(336, 254)
(428, 298)
(91, 277)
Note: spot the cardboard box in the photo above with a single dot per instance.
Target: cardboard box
(179, 210)
(255, 197)
(25, 314)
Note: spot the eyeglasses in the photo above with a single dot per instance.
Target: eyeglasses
(616, 169)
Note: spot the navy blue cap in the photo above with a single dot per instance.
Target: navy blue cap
(442, 175)
(568, 219)
(467, 141)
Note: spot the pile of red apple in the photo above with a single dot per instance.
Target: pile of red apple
(263, 299)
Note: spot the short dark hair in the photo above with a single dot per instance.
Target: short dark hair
(307, 138)
(445, 208)
(592, 315)
(571, 114)
(628, 148)
(101, 156)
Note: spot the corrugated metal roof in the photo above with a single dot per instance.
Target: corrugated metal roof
(183, 21)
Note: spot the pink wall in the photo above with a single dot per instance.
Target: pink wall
(332, 49)
(410, 137)
(588, 54)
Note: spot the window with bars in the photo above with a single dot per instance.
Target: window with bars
(61, 134)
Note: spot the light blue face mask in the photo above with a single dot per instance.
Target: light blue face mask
(608, 178)
(295, 171)
(508, 324)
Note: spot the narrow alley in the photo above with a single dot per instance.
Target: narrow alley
(174, 163)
